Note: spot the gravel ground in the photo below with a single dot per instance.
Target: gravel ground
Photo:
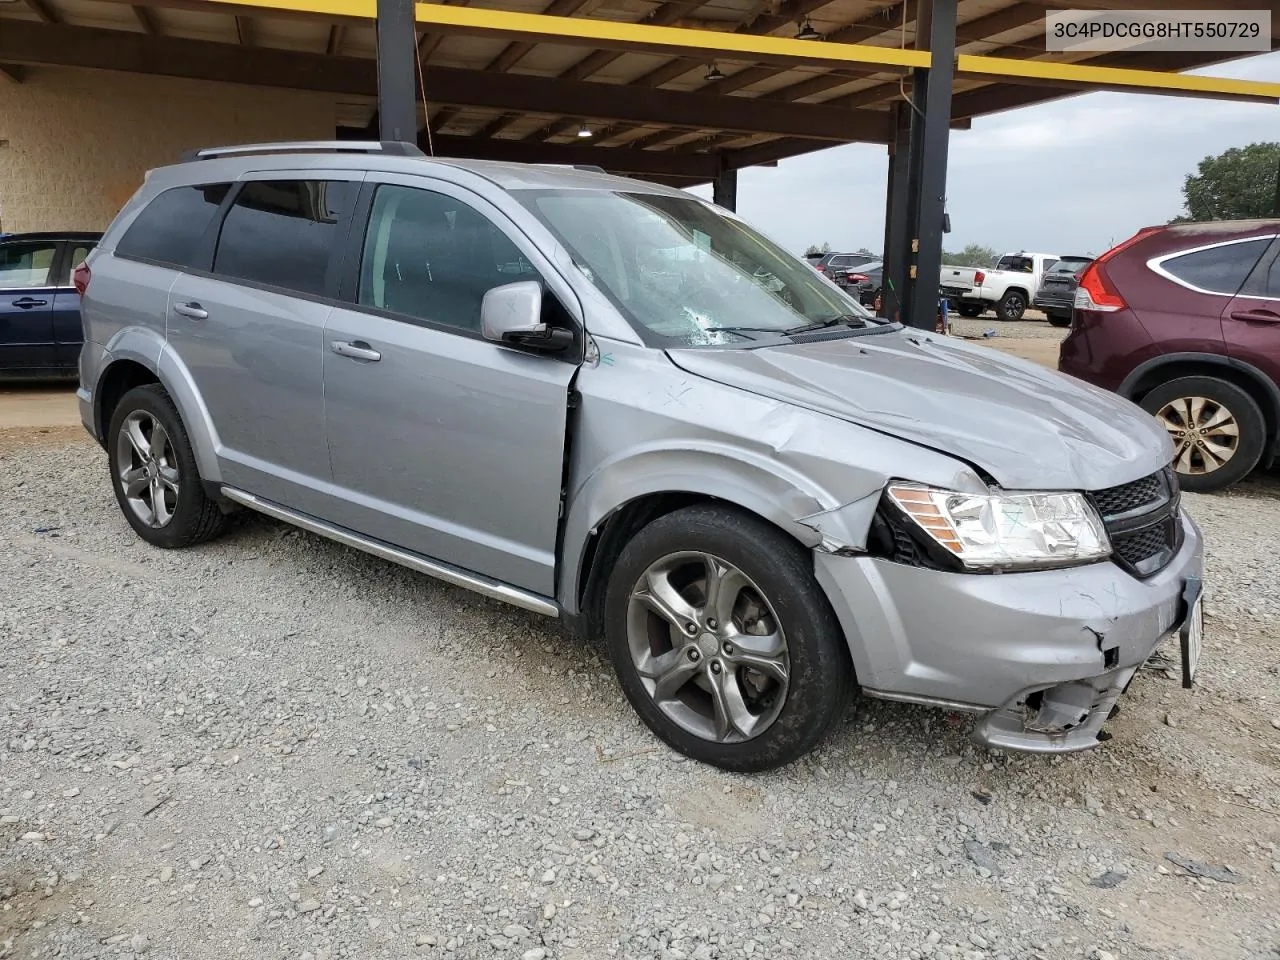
(273, 746)
(1033, 325)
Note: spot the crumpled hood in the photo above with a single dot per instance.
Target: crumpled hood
(1028, 427)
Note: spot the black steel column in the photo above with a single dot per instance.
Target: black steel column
(724, 189)
(397, 71)
(897, 210)
(927, 164)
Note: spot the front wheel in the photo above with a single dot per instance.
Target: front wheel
(154, 474)
(1218, 431)
(1012, 306)
(723, 641)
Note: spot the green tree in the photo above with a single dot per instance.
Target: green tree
(973, 255)
(814, 250)
(1240, 184)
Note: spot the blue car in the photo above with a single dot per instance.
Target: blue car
(40, 332)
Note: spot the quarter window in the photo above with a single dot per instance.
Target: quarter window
(1221, 269)
(26, 265)
(169, 230)
(281, 232)
(432, 257)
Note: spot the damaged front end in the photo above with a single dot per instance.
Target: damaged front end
(1058, 719)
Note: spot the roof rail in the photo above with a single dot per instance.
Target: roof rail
(589, 167)
(391, 148)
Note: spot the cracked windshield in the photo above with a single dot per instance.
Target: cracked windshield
(682, 272)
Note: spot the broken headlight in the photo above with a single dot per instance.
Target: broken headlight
(1006, 530)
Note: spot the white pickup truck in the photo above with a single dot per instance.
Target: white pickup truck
(1008, 288)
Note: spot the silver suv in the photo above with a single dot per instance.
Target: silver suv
(612, 402)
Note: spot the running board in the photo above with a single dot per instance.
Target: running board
(494, 589)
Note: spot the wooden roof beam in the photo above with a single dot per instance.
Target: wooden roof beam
(30, 43)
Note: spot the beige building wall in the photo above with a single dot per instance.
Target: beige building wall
(75, 144)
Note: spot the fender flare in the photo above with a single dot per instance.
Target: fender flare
(148, 349)
(767, 489)
(1129, 385)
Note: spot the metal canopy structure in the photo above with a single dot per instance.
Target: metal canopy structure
(680, 91)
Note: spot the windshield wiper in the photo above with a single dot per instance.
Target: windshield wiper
(773, 330)
(823, 324)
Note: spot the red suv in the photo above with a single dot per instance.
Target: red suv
(1185, 321)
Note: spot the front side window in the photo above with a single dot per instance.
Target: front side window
(169, 230)
(683, 272)
(26, 265)
(281, 232)
(1222, 269)
(433, 257)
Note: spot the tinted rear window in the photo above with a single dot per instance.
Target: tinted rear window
(169, 229)
(1071, 265)
(281, 232)
(1221, 269)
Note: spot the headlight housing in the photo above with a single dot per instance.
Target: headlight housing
(1001, 531)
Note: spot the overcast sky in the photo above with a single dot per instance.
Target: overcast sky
(1072, 176)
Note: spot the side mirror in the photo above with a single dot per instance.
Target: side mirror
(512, 314)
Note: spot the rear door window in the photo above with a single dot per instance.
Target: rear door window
(1017, 264)
(170, 229)
(282, 233)
(1219, 269)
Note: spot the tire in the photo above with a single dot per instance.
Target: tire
(1059, 319)
(1205, 402)
(1011, 306)
(788, 706)
(166, 477)
(969, 310)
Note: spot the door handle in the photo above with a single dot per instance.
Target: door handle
(355, 349)
(26, 303)
(1256, 316)
(191, 309)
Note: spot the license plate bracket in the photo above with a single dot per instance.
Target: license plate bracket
(1191, 634)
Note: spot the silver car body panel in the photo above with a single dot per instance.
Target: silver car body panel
(1028, 427)
(411, 457)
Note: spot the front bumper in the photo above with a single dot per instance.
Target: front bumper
(1043, 656)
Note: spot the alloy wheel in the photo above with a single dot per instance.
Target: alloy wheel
(1204, 432)
(146, 469)
(708, 647)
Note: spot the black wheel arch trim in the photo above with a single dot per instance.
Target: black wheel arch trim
(1129, 385)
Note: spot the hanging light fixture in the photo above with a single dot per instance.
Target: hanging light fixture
(806, 31)
(713, 72)
(584, 131)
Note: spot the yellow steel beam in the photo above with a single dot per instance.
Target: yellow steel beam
(610, 34)
(1056, 74)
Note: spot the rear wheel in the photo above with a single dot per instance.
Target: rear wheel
(970, 310)
(153, 472)
(1217, 429)
(723, 641)
(1059, 319)
(1012, 306)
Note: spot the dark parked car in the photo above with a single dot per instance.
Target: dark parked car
(833, 263)
(1185, 320)
(40, 333)
(862, 281)
(1057, 293)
